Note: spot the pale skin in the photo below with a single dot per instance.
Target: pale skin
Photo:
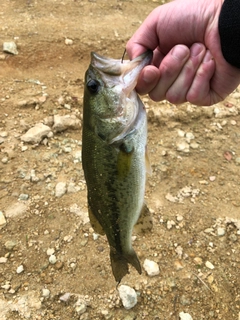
(188, 64)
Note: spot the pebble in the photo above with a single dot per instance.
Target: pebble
(198, 261)
(2, 219)
(221, 231)
(52, 259)
(23, 196)
(65, 297)
(181, 133)
(209, 265)
(128, 296)
(151, 267)
(20, 269)
(68, 42)
(45, 293)
(36, 133)
(10, 244)
(62, 123)
(185, 316)
(182, 146)
(80, 306)
(194, 145)
(60, 189)
(5, 160)
(50, 251)
(10, 47)
(3, 259)
(189, 136)
(170, 224)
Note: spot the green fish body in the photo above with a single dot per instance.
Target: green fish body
(114, 143)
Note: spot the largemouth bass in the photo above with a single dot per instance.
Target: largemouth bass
(114, 154)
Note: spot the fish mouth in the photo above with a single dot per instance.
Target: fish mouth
(127, 70)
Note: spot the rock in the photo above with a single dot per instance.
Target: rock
(17, 209)
(65, 297)
(68, 42)
(3, 260)
(2, 219)
(60, 189)
(182, 146)
(52, 259)
(80, 213)
(62, 123)
(128, 296)
(36, 133)
(10, 47)
(23, 196)
(45, 293)
(185, 316)
(189, 136)
(221, 231)
(151, 267)
(50, 251)
(20, 269)
(10, 244)
(209, 265)
(80, 306)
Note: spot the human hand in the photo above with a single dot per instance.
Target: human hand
(187, 64)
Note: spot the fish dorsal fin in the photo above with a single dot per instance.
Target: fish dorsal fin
(147, 163)
(144, 223)
(95, 223)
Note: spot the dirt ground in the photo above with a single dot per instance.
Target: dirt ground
(193, 193)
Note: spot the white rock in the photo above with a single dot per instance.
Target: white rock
(221, 231)
(17, 209)
(20, 269)
(65, 297)
(2, 219)
(68, 42)
(50, 251)
(10, 47)
(181, 133)
(128, 296)
(45, 293)
(189, 136)
(183, 146)
(209, 265)
(80, 306)
(60, 189)
(185, 316)
(151, 267)
(3, 260)
(36, 133)
(62, 123)
(80, 213)
(52, 259)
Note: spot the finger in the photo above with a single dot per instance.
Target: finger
(148, 79)
(177, 92)
(169, 69)
(200, 90)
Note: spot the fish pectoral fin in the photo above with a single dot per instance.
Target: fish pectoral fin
(147, 162)
(124, 159)
(119, 263)
(95, 223)
(144, 223)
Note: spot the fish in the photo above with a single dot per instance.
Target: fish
(114, 154)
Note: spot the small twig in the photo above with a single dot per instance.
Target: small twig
(202, 282)
(123, 55)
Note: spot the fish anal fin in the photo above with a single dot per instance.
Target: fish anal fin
(119, 263)
(95, 223)
(144, 223)
(147, 163)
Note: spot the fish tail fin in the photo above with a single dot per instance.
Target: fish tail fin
(119, 263)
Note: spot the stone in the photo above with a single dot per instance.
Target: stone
(151, 267)
(185, 316)
(209, 265)
(60, 189)
(128, 296)
(10, 47)
(62, 123)
(36, 133)
(2, 219)
(20, 269)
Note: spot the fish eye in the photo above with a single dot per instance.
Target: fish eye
(93, 86)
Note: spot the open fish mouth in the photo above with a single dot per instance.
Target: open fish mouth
(110, 69)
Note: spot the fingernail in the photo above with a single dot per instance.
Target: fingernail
(179, 51)
(208, 56)
(195, 49)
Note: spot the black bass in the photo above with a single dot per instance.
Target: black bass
(114, 156)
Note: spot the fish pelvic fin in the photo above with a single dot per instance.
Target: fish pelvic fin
(119, 263)
(95, 223)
